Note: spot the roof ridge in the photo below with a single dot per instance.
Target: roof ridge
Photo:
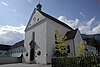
(55, 19)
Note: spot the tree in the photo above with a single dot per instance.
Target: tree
(61, 48)
(81, 49)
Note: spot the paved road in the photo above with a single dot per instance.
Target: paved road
(24, 65)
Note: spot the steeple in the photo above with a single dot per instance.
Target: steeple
(39, 6)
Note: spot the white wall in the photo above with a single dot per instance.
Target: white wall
(77, 40)
(38, 27)
(40, 39)
(16, 52)
(91, 49)
(51, 28)
(70, 43)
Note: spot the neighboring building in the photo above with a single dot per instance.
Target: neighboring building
(92, 49)
(12, 54)
(89, 48)
(4, 49)
(90, 40)
(12, 51)
(17, 49)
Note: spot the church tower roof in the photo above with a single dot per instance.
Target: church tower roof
(39, 6)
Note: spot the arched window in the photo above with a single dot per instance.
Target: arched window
(68, 47)
(33, 36)
(39, 53)
(56, 32)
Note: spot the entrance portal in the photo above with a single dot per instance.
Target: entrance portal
(32, 54)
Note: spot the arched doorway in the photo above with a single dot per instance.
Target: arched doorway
(32, 53)
(32, 47)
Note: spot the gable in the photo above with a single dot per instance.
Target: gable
(35, 18)
(40, 15)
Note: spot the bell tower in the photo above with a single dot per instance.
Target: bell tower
(39, 6)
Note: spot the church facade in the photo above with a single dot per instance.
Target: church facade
(39, 37)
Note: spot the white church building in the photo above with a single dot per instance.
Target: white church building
(38, 45)
(39, 37)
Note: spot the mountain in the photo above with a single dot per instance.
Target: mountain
(95, 36)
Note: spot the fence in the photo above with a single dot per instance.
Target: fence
(76, 62)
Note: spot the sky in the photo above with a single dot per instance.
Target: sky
(15, 14)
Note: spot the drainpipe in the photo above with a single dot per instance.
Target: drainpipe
(74, 47)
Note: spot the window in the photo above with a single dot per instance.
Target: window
(5, 53)
(38, 19)
(33, 36)
(27, 54)
(0, 53)
(39, 53)
(13, 52)
(18, 51)
(68, 47)
(56, 32)
(34, 18)
(30, 24)
(21, 50)
(86, 49)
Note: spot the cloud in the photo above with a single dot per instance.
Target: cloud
(72, 23)
(89, 23)
(85, 28)
(96, 30)
(4, 3)
(11, 34)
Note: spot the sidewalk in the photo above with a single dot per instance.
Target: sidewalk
(24, 65)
